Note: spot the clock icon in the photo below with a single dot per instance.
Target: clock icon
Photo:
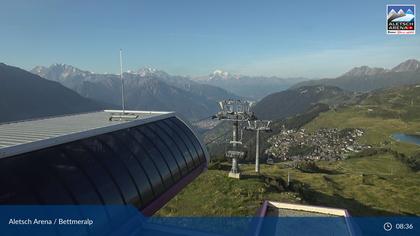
(387, 226)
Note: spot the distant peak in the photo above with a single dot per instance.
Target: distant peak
(62, 65)
(408, 65)
(146, 70)
(38, 69)
(65, 67)
(59, 70)
(364, 71)
(220, 74)
(150, 71)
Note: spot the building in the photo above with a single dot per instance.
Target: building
(297, 219)
(90, 159)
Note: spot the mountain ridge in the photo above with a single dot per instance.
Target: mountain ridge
(24, 95)
(364, 78)
(107, 88)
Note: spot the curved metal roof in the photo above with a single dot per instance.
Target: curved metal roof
(86, 159)
(24, 136)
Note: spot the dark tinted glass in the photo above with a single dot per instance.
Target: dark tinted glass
(126, 144)
(74, 177)
(120, 152)
(156, 157)
(192, 138)
(43, 179)
(59, 193)
(110, 161)
(96, 173)
(14, 190)
(194, 160)
(161, 142)
(186, 146)
(180, 150)
(139, 151)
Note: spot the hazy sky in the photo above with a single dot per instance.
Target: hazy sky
(194, 37)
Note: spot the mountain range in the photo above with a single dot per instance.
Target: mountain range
(195, 98)
(251, 87)
(365, 78)
(145, 89)
(24, 95)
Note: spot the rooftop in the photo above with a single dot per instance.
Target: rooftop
(314, 219)
(293, 210)
(24, 136)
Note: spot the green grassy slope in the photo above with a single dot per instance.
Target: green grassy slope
(377, 185)
(214, 194)
(381, 114)
(367, 185)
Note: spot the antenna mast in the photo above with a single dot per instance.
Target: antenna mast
(117, 114)
(122, 84)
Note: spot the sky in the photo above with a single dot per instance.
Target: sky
(313, 39)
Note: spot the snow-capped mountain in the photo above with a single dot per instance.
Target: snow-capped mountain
(59, 71)
(149, 71)
(251, 87)
(147, 88)
(220, 74)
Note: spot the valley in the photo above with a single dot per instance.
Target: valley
(382, 178)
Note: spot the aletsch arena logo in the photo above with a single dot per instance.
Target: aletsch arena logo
(401, 18)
